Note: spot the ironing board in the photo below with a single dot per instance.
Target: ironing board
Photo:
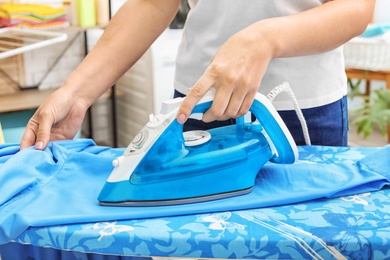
(355, 225)
(350, 227)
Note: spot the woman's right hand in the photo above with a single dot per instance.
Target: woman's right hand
(58, 118)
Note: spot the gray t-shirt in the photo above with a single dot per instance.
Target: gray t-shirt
(315, 79)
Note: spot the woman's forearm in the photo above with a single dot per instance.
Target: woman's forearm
(129, 34)
(316, 30)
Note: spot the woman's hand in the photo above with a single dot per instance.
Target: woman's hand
(60, 117)
(235, 72)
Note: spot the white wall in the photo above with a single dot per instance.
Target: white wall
(39, 62)
(381, 16)
(382, 11)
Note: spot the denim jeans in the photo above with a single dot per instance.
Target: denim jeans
(327, 125)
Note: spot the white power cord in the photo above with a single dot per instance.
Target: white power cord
(286, 88)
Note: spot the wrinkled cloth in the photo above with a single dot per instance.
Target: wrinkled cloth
(60, 185)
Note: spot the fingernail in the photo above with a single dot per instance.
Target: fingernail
(39, 145)
(181, 119)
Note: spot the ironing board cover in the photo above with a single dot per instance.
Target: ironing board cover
(60, 184)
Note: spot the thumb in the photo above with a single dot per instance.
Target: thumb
(43, 133)
(28, 138)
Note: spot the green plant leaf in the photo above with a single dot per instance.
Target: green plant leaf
(374, 113)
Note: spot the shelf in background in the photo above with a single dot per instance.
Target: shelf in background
(23, 100)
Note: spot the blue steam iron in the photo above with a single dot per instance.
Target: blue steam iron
(164, 166)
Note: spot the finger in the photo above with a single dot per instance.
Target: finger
(228, 103)
(29, 136)
(246, 105)
(217, 111)
(43, 132)
(194, 95)
(237, 105)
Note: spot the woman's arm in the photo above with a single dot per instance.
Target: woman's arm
(129, 34)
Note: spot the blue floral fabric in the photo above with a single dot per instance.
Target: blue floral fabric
(48, 199)
(348, 227)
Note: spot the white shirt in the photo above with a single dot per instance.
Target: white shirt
(316, 80)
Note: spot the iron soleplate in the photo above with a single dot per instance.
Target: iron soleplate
(149, 203)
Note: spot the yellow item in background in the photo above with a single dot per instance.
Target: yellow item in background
(32, 16)
(86, 13)
(38, 10)
(102, 12)
(2, 141)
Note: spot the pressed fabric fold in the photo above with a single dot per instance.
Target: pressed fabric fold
(60, 185)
